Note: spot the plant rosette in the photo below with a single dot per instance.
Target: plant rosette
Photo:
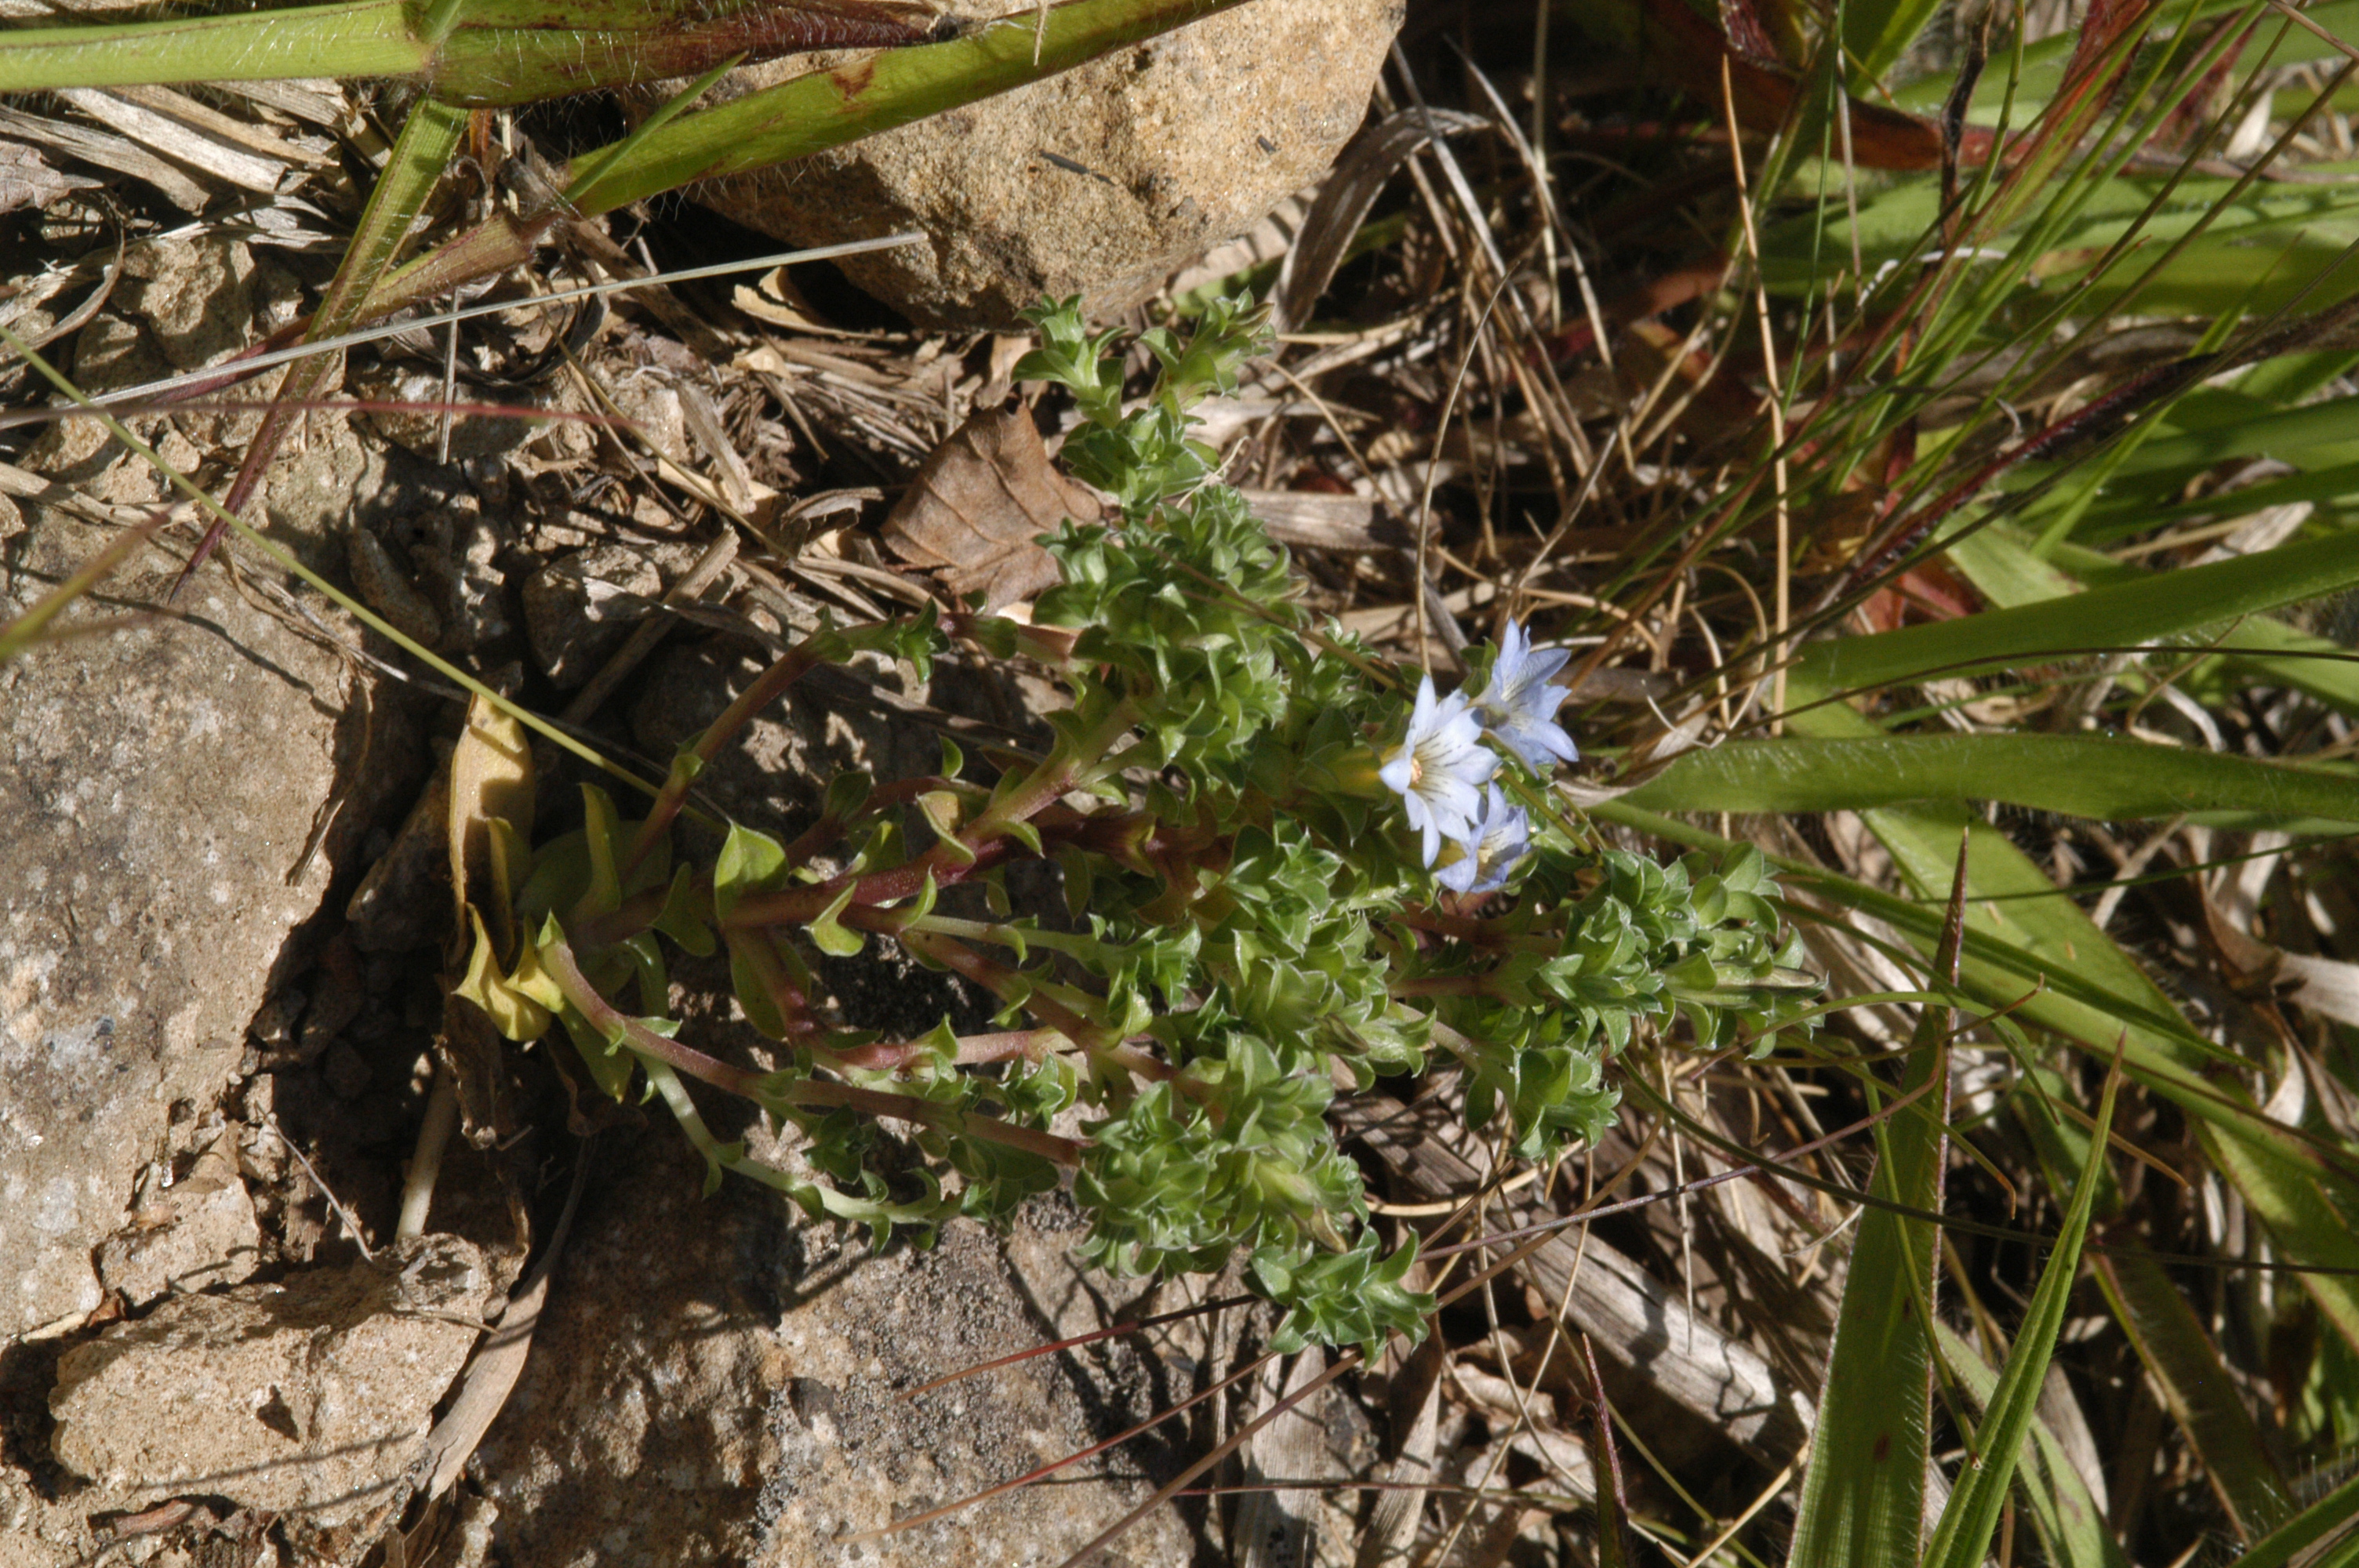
(1290, 871)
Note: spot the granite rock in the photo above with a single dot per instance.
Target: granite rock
(714, 1380)
(313, 1396)
(158, 788)
(197, 1234)
(1099, 181)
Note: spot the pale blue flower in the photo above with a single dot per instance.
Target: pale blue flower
(1440, 767)
(1518, 706)
(1493, 843)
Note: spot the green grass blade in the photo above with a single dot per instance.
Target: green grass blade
(365, 38)
(2066, 1514)
(32, 627)
(1971, 1518)
(2197, 1391)
(2311, 1215)
(2324, 1535)
(2261, 650)
(1863, 1494)
(2169, 605)
(796, 118)
(2045, 959)
(1876, 32)
(479, 53)
(2083, 775)
(826, 109)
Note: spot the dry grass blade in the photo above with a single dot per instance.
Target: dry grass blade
(1689, 1362)
(1351, 187)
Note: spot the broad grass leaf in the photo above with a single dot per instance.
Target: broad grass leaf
(2197, 1391)
(2324, 1535)
(2259, 650)
(2081, 775)
(2169, 605)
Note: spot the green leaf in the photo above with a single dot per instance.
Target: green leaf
(2197, 1391)
(1967, 1524)
(750, 862)
(829, 935)
(682, 919)
(2081, 775)
(1876, 32)
(516, 1014)
(602, 831)
(944, 810)
(2067, 1516)
(610, 1069)
(812, 112)
(1864, 1496)
(2324, 1535)
(2172, 604)
(2264, 650)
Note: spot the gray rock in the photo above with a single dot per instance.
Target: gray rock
(456, 555)
(714, 1381)
(158, 787)
(1099, 181)
(197, 1234)
(386, 588)
(312, 1397)
(578, 610)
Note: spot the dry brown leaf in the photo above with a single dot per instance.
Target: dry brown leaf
(2326, 986)
(977, 504)
(490, 799)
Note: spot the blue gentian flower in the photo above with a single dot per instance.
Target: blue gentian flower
(1518, 706)
(1440, 767)
(1494, 842)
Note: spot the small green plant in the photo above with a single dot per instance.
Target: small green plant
(1290, 874)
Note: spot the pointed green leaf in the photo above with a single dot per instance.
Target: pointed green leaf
(2079, 775)
(749, 862)
(683, 919)
(2197, 1391)
(2169, 605)
(1863, 1494)
(829, 935)
(2065, 1513)
(1970, 1520)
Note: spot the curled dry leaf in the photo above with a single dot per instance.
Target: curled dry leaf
(976, 507)
(491, 815)
(2326, 986)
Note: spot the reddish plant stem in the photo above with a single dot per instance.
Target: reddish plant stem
(981, 846)
(774, 972)
(801, 906)
(767, 689)
(762, 1088)
(974, 1050)
(999, 980)
(817, 1093)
